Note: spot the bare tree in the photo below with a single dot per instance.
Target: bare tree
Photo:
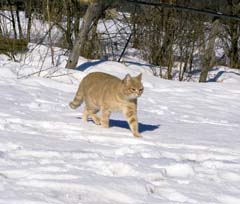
(233, 31)
(13, 19)
(208, 58)
(92, 14)
(50, 32)
(29, 16)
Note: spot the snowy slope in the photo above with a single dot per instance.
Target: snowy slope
(189, 152)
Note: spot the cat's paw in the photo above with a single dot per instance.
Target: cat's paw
(97, 121)
(137, 135)
(84, 119)
(105, 125)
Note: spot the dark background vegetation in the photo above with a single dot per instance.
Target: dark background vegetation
(164, 31)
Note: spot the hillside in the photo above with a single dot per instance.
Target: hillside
(189, 152)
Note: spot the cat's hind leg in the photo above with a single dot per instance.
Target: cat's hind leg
(90, 112)
(85, 115)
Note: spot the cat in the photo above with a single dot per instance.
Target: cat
(107, 93)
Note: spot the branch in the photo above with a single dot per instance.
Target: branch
(3, 15)
(125, 47)
(183, 8)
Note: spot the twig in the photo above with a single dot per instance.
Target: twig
(109, 37)
(3, 15)
(59, 75)
(26, 76)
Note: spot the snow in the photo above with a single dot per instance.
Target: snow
(189, 152)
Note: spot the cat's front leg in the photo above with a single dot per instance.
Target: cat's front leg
(131, 115)
(105, 117)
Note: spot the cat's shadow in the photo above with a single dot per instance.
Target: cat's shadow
(141, 126)
(123, 124)
(88, 65)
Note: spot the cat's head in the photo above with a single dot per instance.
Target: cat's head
(132, 86)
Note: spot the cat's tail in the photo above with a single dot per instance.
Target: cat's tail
(77, 101)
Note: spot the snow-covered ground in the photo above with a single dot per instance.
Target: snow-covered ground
(189, 152)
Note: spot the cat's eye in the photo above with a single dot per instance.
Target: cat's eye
(132, 89)
(141, 89)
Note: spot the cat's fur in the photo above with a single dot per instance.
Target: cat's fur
(106, 93)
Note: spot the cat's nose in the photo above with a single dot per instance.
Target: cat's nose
(140, 91)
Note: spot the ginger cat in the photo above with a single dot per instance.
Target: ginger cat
(106, 93)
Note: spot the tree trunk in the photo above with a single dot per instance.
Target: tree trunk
(13, 20)
(76, 16)
(29, 16)
(233, 53)
(93, 12)
(234, 32)
(69, 25)
(209, 54)
(19, 23)
(50, 32)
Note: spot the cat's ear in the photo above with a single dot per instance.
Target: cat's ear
(127, 79)
(139, 77)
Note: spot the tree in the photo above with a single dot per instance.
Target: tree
(233, 31)
(208, 57)
(93, 13)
